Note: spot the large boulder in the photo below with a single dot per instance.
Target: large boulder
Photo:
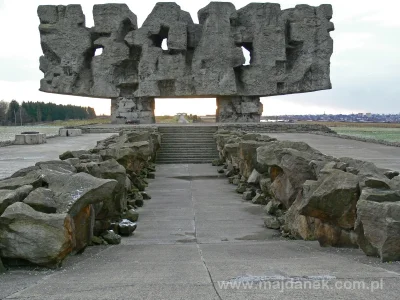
(74, 195)
(42, 200)
(103, 144)
(33, 178)
(155, 143)
(223, 137)
(144, 143)
(298, 225)
(248, 156)
(133, 156)
(289, 166)
(378, 229)
(333, 199)
(135, 136)
(363, 168)
(42, 239)
(72, 154)
(74, 192)
(286, 155)
(380, 195)
(231, 154)
(56, 165)
(9, 197)
(111, 169)
(83, 225)
(331, 235)
(24, 171)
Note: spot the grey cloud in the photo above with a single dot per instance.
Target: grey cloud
(16, 69)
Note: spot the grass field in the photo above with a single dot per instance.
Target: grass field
(355, 125)
(7, 133)
(389, 132)
(98, 120)
(376, 133)
(166, 119)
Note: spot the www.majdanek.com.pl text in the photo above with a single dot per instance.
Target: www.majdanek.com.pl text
(283, 285)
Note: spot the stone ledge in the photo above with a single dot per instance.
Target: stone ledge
(30, 138)
(70, 132)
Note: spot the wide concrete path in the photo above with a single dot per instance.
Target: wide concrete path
(381, 155)
(196, 235)
(14, 158)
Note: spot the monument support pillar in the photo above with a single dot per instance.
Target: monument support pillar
(236, 109)
(132, 109)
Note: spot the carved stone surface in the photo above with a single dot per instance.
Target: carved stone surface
(239, 109)
(128, 109)
(290, 53)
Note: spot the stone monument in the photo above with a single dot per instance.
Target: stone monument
(290, 53)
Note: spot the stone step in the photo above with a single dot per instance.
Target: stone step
(187, 145)
(195, 144)
(183, 138)
(175, 142)
(188, 132)
(185, 161)
(194, 151)
(191, 134)
(197, 154)
(210, 133)
(180, 157)
(204, 128)
(187, 136)
(194, 155)
(188, 154)
(187, 149)
(187, 129)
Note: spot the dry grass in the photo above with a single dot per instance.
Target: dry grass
(166, 119)
(98, 120)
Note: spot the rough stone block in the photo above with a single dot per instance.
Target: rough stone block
(290, 53)
(70, 132)
(30, 139)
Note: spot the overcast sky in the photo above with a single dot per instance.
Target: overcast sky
(365, 66)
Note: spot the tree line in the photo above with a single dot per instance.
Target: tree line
(13, 113)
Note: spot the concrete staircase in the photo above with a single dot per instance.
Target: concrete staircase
(187, 144)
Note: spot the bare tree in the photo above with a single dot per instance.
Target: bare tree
(23, 116)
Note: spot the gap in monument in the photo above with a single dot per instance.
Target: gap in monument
(195, 110)
(98, 52)
(164, 44)
(247, 56)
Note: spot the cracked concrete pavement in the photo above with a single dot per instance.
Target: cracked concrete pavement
(14, 158)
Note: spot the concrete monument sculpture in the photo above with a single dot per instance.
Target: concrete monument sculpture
(290, 53)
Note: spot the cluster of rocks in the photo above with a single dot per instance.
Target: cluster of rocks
(60, 207)
(307, 195)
